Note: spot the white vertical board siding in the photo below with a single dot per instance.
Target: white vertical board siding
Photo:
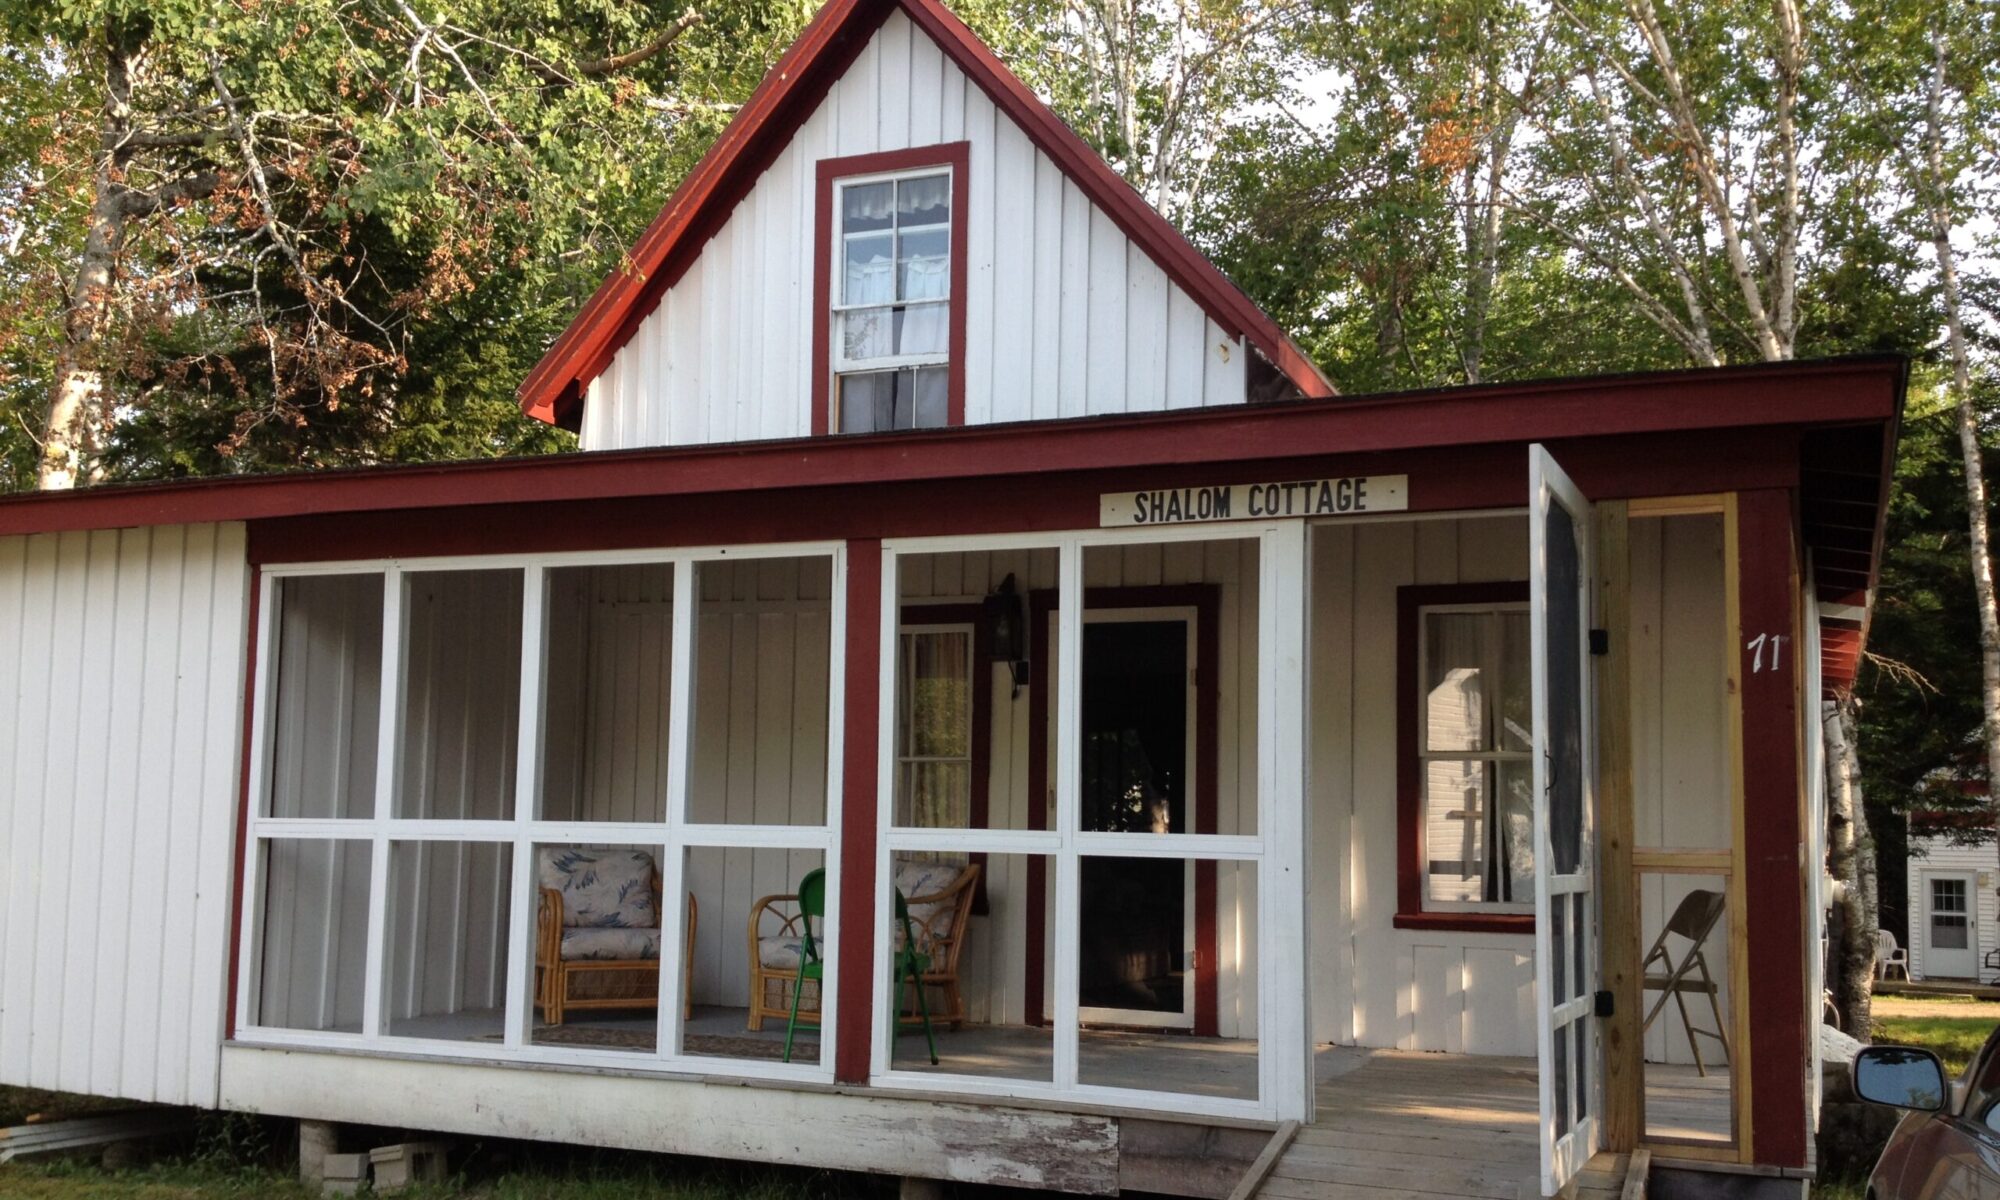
(121, 712)
(1065, 315)
(1373, 984)
(1935, 854)
(995, 955)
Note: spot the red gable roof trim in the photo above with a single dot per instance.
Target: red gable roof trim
(781, 104)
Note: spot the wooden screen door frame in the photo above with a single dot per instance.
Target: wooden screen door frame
(1205, 599)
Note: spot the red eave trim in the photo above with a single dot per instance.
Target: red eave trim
(775, 111)
(1858, 390)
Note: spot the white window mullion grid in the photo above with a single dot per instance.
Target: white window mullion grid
(526, 831)
(882, 1035)
(387, 746)
(672, 850)
(1069, 785)
(521, 968)
(1284, 1045)
(251, 919)
(1284, 1078)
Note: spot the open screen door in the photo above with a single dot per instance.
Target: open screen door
(1559, 544)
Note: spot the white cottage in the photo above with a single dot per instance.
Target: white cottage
(1954, 901)
(980, 708)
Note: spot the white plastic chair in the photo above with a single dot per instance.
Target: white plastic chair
(1889, 956)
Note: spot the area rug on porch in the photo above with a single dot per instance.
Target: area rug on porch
(706, 1044)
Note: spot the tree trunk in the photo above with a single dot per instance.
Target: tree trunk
(1979, 543)
(1851, 860)
(78, 405)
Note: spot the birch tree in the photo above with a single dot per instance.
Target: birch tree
(1674, 163)
(1154, 84)
(1851, 860)
(1953, 179)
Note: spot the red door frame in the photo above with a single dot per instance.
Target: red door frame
(1206, 600)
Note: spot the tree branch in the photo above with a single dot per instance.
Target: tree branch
(632, 58)
(196, 186)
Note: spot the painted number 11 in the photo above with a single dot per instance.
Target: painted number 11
(1756, 645)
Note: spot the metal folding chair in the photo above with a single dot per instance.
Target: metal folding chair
(1693, 920)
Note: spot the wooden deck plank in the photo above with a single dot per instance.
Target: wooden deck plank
(1400, 1123)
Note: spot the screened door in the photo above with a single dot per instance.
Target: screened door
(1565, 907)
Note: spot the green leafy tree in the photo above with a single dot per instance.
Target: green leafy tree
(236, 227)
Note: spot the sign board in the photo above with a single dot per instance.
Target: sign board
(1256, 501)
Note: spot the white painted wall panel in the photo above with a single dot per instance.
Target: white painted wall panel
(121, 688)
(1064, 314)
(1938, 854)
(1374, 985)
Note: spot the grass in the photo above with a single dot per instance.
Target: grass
(235, 1157)
(1952, 1027)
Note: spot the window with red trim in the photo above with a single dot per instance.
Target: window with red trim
(890, 323)
(1465, 824)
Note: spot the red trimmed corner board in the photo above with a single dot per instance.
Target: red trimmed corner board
(1773, 828)
(855, 965)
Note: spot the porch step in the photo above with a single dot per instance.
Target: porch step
(1395, 1123)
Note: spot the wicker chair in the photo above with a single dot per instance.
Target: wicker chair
(939, 916)
(592, 933)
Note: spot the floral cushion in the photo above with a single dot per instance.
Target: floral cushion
(606, 942)
(782, 953)
(915, 879)
(602, 887)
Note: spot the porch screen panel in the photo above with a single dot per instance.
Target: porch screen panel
(1688, 1000)
(608, 715)
(461, 695)
(1143, 964)
(599, 920)
(313, 951)
(1565, 624)
(762, 648)
(447, 940)
(328, 661)
(1169, 703)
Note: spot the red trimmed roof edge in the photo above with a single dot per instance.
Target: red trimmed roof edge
(782, 102)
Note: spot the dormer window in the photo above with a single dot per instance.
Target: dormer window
(893, 236)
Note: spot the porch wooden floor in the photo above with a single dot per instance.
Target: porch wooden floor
(1396, 1123)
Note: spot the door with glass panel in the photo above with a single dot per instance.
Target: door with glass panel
(1136, 946)
(1562, 760)
(1950, 951)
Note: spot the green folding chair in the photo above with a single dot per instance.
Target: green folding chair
(909, 963)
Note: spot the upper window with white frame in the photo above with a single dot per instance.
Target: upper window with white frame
(892, 301)
(1474, 737)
